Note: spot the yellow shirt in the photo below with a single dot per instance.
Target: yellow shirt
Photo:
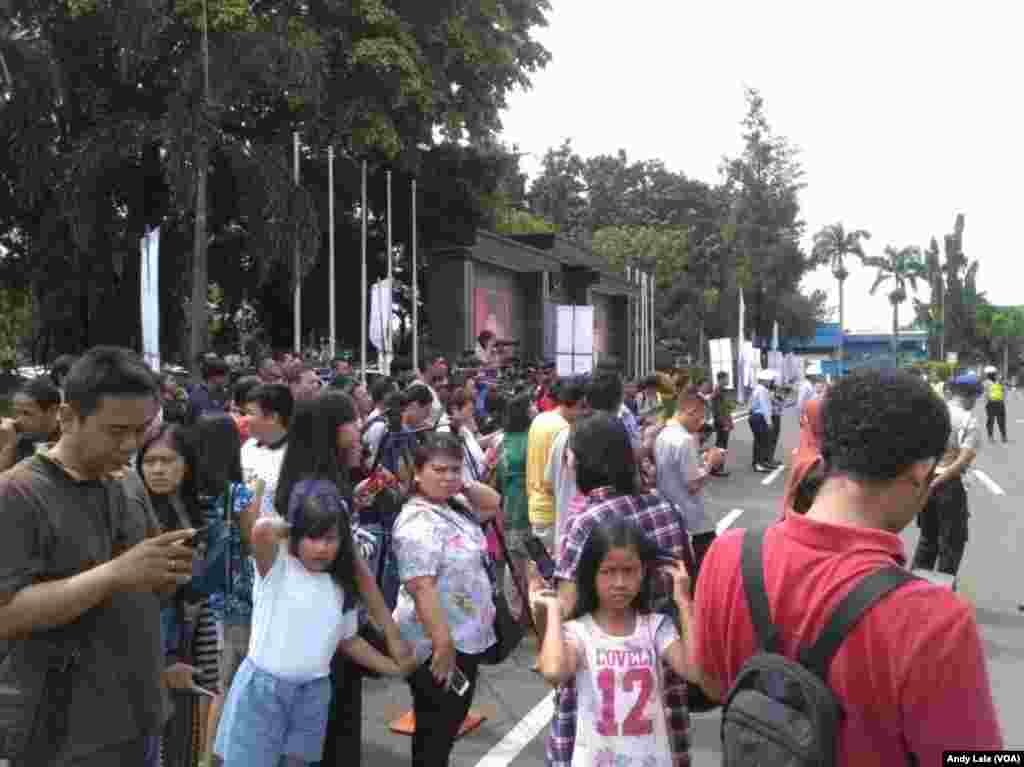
(541, 497)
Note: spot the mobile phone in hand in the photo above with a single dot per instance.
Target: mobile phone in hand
(199, 538)
(457, 682)
(539, 554)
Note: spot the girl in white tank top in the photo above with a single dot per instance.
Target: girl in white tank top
(614, 648)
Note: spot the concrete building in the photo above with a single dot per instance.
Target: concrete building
(503, 284)
(870, 348)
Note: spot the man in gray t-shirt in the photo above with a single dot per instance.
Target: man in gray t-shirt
(78, 552)
(682, 472)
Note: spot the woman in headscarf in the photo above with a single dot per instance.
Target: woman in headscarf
(808, 469)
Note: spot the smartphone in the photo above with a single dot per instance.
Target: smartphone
(539, 554)
(199, 538)
(457, 682)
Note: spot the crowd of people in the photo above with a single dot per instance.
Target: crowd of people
(208, 577)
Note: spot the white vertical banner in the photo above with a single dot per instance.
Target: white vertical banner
(380, 316)
(149, 283)
(721, 359)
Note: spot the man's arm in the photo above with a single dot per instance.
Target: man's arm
(45, 606)
(958, 467)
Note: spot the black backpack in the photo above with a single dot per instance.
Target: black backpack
(781, 712)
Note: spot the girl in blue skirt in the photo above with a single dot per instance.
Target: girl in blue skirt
(304, 609)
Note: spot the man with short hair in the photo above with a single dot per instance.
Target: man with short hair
(721, 415)
(805, 392)
(943, 521)
(36, 410)
(571, 396)
(78, 558)
(269, 409)
(433, 370)
(682, 472)
(342, 367)
(911, 674)
(761, 423)
(211, 394)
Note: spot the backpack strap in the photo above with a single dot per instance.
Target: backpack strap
(862, 598)
(752, 565)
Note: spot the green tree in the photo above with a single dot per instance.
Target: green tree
(930, 315)
(832, 245)
(762, 186)
(108, 132)
(900, 267)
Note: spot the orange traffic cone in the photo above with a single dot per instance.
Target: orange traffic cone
(406, 723)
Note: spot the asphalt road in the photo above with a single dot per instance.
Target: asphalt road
(516, 701)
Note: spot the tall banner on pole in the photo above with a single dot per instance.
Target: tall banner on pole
(721, 359)
(380, 316)
(150, 292)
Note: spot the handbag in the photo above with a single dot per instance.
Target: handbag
(508, 631)
(36, 680)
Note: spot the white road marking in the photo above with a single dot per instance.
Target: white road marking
(726, 522)
(771, 477)
(520, 736)
(988, 482)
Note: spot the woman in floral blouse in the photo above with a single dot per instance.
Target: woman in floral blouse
(446, 605)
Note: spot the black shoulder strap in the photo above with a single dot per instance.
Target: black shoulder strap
(862, 598)
(752, 564)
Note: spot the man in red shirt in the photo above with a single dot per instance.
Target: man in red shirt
(911, 675)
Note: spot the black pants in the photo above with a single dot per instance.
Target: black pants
(943, 524)
(132, 752)
(439, 712)
(343, 744)
(722, 438)
(776, 430)
(762, 439)
(701, 542)
(996, 412)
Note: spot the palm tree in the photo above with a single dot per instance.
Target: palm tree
(902, 267)
(831, 246)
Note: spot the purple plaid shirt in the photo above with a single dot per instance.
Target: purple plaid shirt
(661, 520)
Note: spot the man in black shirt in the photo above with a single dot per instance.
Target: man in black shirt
(35, 421)
(75, 557)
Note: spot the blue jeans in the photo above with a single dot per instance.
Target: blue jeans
(266, 718)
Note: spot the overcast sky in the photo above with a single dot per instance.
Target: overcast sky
(905, 112)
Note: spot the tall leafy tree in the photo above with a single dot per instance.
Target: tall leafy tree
(763, 185)
(832, 246)
(108, 131)
(899, 267)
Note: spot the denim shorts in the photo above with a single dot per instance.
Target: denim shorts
(265, 718)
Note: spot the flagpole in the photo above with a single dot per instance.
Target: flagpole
(739, 351)
(653, 342)
(330, 207)
(387, 320)
(415, 287)
(363, 317)
(296, 261)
